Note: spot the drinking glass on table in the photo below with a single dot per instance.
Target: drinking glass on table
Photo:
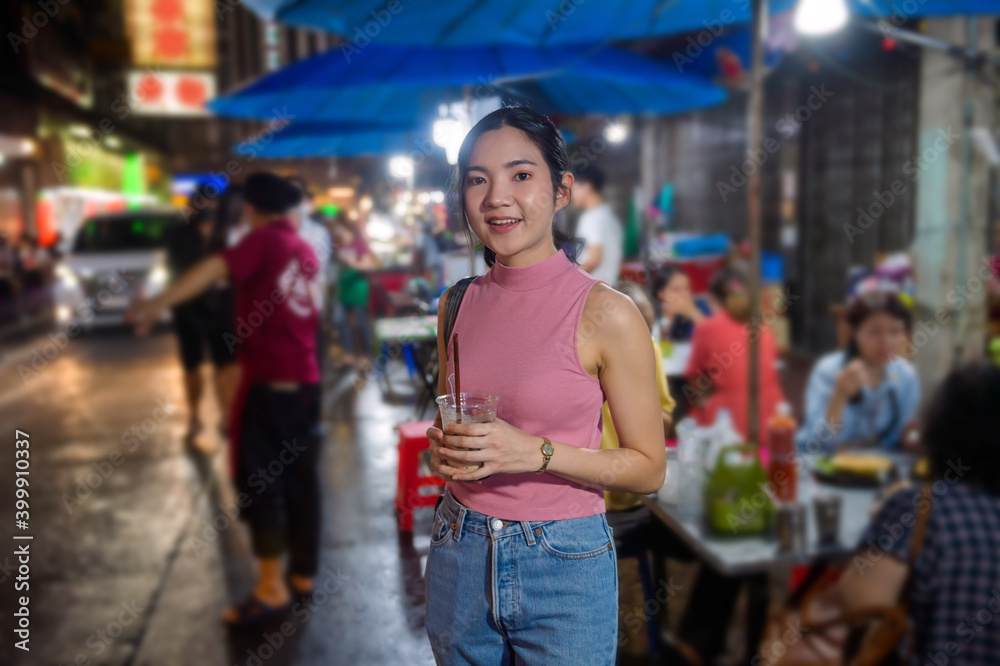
(471, 408)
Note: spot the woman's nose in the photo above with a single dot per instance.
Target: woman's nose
(498, 196)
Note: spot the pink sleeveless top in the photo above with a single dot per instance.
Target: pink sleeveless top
(517, 329)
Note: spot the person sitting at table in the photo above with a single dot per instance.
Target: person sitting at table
(679, 312)
(867, 393)
(957, 573)
(622, 501)
(718, 369)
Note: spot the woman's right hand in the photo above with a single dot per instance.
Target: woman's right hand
(438, 462)
(851, 379)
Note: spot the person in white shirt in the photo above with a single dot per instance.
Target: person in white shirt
(598, 227)
(319, 239)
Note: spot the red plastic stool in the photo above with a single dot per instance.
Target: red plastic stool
(412, 442)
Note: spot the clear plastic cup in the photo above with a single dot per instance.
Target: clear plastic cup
(471, 408)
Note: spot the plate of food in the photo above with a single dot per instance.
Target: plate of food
(857, 470)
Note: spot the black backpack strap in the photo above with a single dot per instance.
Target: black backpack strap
(455, 295)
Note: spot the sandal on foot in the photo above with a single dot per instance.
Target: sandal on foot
(253, 612)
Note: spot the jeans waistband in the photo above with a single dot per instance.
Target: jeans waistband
(464, 519)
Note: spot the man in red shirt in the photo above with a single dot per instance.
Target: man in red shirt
(275, 449)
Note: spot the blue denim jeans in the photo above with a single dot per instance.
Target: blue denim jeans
(501, 592)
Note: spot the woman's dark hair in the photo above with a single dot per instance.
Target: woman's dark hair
(663, 278)
(227, 215)
(541, 132)
(721, 283)
(865, 305)
(961, 425)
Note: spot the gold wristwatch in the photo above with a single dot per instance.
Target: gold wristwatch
(547, 452)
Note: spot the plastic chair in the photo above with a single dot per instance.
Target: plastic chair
(412, 442)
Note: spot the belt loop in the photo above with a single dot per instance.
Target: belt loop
(529, 536)
(459, 521)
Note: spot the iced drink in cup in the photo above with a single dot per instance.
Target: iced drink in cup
(473, 408)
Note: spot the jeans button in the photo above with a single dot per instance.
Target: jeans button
(497, 524)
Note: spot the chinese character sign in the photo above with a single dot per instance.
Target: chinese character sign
(174, 33)
(170, 93)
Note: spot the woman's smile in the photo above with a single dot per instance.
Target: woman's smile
(503, 225)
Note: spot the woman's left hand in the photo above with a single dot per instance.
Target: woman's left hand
(502, 448)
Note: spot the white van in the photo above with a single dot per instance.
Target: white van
(114, 259)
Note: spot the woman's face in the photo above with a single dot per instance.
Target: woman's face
(674, 294)
(508, 193)
(880, 337)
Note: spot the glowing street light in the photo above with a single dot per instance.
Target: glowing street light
(616, 132)
(400, 166)
(820, 17)
(449, 134)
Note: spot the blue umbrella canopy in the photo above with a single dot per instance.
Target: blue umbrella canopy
(525, 22)
(549, 22)
(329, 139)
(408, 84)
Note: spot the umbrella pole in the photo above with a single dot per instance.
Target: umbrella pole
(756, 130)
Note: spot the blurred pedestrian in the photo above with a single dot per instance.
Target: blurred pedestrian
(866, 394)
(719, 366)
(275, 460)
(600, 230)
(198, 323)
(353, 293)
(227, 230)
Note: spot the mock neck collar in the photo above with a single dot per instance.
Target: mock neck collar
(535, 276)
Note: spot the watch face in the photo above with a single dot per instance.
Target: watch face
(547, 449)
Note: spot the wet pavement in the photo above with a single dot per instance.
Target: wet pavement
(135, 552)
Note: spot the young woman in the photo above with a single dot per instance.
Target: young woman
(522, 564)
(866, 394)
(679, 312)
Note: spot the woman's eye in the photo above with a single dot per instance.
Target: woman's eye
(476, 180)
(523, 175)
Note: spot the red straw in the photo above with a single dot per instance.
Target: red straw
(458, 380)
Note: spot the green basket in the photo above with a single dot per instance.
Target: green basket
(736, 502)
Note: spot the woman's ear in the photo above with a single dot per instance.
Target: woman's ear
(565, 192)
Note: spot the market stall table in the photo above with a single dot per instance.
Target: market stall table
(752, 559)
(417, 339)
